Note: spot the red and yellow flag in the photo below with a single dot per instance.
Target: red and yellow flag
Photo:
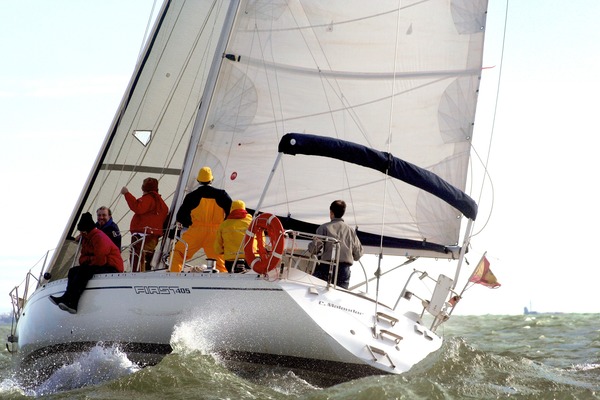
(483, 275)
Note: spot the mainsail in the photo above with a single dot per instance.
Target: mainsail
(400, 77)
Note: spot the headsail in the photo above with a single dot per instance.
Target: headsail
(150, 133)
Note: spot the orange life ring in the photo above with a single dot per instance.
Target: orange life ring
(266, 260)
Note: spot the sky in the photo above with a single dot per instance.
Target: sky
(66, 64)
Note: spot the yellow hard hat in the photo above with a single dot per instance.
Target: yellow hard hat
(238, 205)
(205, 175)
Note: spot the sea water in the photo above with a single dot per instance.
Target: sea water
(544, 356)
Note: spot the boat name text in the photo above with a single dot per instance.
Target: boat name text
(324, 303)
(161, 290)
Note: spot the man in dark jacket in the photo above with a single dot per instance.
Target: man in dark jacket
(106, 224)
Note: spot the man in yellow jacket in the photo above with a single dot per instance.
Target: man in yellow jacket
(202, 211)
(230, 235)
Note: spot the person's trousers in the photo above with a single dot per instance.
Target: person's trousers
(141, 264)
(78, 278)
(197, 238)
(343, 278)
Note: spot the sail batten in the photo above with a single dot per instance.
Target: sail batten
(141, 169)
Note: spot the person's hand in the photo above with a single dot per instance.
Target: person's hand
(124, 190)
(315, 246)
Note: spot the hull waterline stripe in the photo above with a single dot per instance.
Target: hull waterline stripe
(196, 288)
(241, 289)
(343, 371)
(77, 347)
(333, 369)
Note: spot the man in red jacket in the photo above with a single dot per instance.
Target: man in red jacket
(149, 213)
(99, 255)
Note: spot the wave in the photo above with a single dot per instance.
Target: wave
(510, 357)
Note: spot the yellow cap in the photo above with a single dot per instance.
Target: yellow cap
(238, 205)
(205, 175)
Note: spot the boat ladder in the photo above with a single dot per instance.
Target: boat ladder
(384, 333)
(386, 317)
(377, 351)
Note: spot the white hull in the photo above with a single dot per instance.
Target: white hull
(295, 322)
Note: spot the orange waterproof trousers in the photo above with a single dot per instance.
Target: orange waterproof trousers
(197, 237)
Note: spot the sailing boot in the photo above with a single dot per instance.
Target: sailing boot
(57, 300)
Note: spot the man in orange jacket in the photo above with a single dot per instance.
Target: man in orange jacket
(201, 212)
(150, 212)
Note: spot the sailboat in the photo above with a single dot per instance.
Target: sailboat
(293, 104)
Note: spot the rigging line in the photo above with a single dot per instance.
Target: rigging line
(162, 113)
(273, 110)
(350, 21)
(321, 194)
(116, 193)
(365, 103)
(324, 75)
(176, 85)
(137, 113)
(148, 26)
(324, 83)
(347, 108)
(235, 103)
(333, 84)
(389, 144)
(200, 76)
(390, 121)
(486, 174)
